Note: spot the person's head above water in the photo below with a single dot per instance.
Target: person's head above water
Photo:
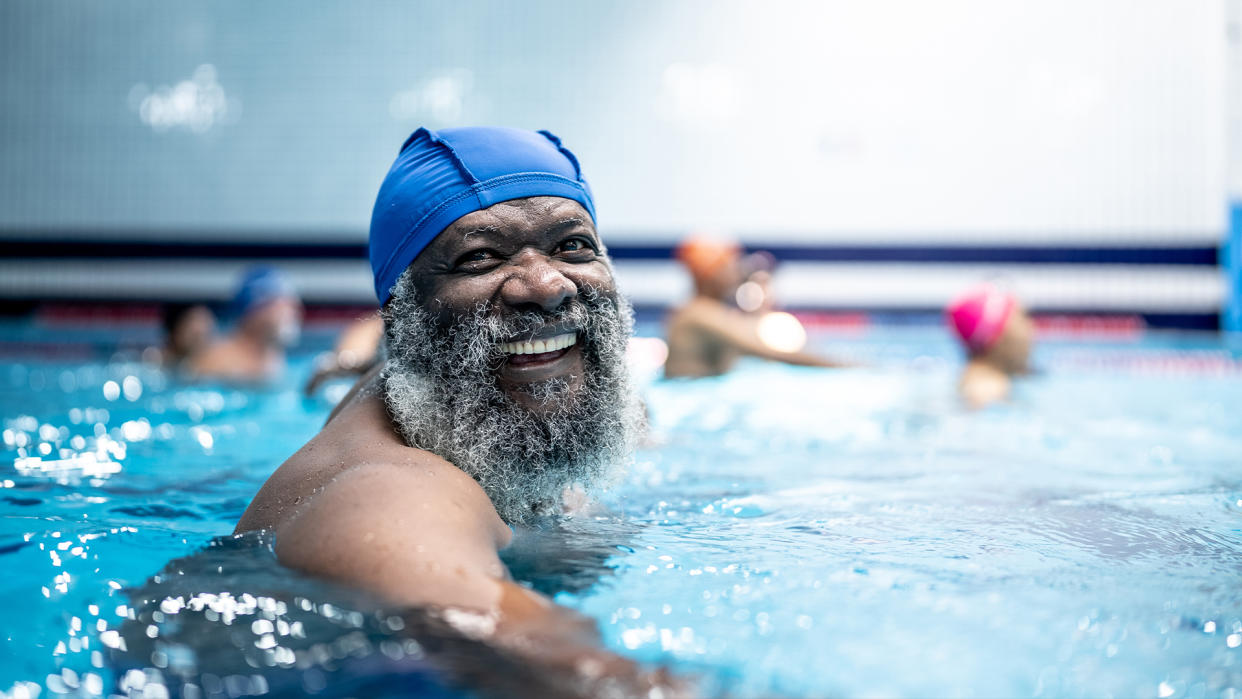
(188, 328)
(267, 306)
(504, 383)
(713, 263)
(440, 176)
(993, 326)
(505, 332)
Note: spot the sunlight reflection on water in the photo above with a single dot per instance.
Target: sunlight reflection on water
(788, 532)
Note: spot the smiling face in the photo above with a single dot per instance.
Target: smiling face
(523, 259)
(506, 342)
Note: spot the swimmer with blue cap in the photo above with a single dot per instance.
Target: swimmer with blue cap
(268, 320)
(503, 399)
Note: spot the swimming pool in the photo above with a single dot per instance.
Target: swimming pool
(789, 532)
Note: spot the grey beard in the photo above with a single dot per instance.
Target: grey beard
(440, 389)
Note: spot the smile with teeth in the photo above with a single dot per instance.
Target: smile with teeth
(551, 344)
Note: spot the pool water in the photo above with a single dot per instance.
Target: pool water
(787, 532)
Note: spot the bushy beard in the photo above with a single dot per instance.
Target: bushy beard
(440, 389)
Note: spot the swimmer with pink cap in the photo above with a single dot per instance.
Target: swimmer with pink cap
(997, 335)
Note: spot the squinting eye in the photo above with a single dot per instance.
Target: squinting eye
(481, 255)
(576, 245)
(476, 260)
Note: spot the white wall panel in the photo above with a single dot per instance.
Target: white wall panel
(820, 121)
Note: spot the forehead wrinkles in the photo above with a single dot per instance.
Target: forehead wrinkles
(530, 217)
(520, 213)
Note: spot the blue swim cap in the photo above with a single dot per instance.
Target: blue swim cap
(443, 175)
(261, 284)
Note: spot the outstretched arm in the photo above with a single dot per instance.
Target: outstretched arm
(423, 534)
(356, 352)
(733, 329)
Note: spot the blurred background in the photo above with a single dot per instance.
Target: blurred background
(887, 152)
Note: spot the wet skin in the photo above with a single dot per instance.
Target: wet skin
(706, 336)
(531, 254)
(987, 376)
(255, 351)
(359, 506)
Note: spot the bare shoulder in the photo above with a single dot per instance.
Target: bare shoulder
(424, 494)
(696, 322)
(697, 311)
(358, 505)
(414, 530)
(225, 360)
(358, 463)
(714, 319)
(217, 357)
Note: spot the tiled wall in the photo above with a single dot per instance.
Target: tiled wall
(811, 121)
(891, 123)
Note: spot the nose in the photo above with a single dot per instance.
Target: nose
(536, 283)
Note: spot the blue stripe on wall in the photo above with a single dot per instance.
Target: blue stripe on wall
(63, 246)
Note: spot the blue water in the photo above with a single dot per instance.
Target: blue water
(788, 532)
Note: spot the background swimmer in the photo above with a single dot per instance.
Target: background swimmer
(997, 334)
(189, 328)
(708, 334)
(269, 314)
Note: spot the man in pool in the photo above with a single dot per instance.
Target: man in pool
(997, 333)
(709, 333)
(269, 321)
(188, 330)
(505, 386)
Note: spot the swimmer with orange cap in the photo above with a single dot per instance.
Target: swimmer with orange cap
(997, 334)
(708, 334)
